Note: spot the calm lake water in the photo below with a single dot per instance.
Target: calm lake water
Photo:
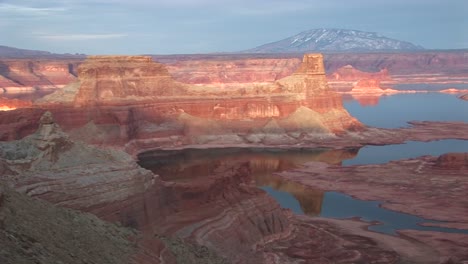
(390, 112)
(410, 149)
(190, 164)
(396, 110)
(342, 206)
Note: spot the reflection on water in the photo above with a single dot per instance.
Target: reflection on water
(185, 165)
(396, 110)
(188, 165)
(410, 149)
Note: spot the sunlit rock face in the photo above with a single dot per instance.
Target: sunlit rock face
(131, 99)
(110, 78)
(225, 72)
(20, 74)
(11, 104)
(349, 73)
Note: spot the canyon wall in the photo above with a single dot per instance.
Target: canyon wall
(134, 101)
(226, 69)
(27, 74)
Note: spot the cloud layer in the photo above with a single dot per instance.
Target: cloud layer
(198, 26)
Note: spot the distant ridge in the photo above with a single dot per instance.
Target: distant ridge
(334, 40)
(11, 52)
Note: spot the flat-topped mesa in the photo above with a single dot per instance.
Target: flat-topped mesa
(309, 78)
(109, 78)
(312, 64)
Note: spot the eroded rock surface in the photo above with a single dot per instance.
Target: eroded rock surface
(35, 231)
(26, 74)
(431, 187)
(128, 99)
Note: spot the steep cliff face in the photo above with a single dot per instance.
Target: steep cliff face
(232, 71)
(110, 78)
(23, 74)
(122, 99)
(310, 79)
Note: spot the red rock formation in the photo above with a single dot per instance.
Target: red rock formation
(464, 97)
(349, 73)
(370, 86)
(11, 104)
(453, 161)
(122, 99)
(225, 71)
(23, 74)
(113, 78)
(453, 91)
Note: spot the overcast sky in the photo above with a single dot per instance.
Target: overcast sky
(201, 26)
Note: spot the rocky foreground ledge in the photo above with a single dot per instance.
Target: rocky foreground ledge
(218, 215)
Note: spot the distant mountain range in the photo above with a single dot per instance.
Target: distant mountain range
(10, 52)
(334, 40)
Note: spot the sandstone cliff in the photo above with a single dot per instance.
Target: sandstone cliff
(110, 78)
(29, 74)
(122, 99)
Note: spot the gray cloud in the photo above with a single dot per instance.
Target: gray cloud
(27, 10)
(194, 26)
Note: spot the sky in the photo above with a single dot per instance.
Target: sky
(204, 26)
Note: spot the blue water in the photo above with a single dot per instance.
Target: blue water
(285, 199)
(411, 149)
(342, 206)
(396, 110)
(392, 111)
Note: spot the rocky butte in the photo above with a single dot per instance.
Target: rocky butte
(133, 100)
(133, 103)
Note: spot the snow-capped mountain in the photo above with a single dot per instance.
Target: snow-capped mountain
(334, 40)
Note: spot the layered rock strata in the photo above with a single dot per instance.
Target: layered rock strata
(25, 74)
(219, 213)
(121, 99)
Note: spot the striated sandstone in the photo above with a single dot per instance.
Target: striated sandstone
(453, 161)
(232, 71)
(121, 99)
(208, 212)
(55, 168)
(107, 78)
(21, 74)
